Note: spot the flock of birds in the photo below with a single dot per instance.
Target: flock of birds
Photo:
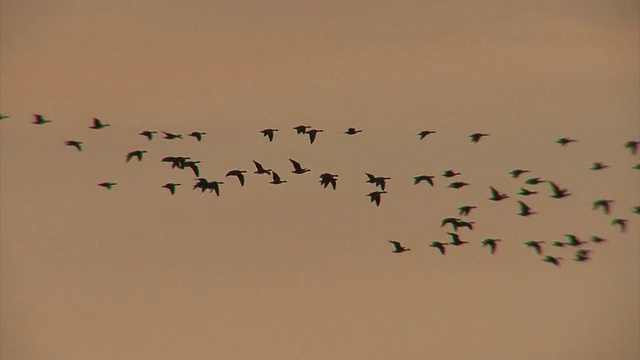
(326, 179)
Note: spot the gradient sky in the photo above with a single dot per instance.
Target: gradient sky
(297, 271)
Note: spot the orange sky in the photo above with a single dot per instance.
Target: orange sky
(296, 271)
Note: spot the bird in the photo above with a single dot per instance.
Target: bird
(574, 240)
(582, 255)
(598, 166)
(2, 117)
(239, 174)
(276, 179)
(107, 185)
(458, 184)
(77, 144)
(466, 209)
(136, 153)
(597, 239)
(462, 223)
(455, 239)
(449, 220)
(398, 248)
(202, 183)
(327, 178)
(376, 196)
(622, 224)
(525, 210)
(636, 166)
(176, 161)
(517, 172)
(297, 168)
(352, 131)
(491, 243)
(476, 137)
(440, 246)
(197, 134)
(269, 133)
(377, 180)
(534, 181)
(564, 141)
(536, 245)
(149, 134)
(632, 146)
(558, 244)
(171, 187)
(557, 192)
(214, 186)
(260, 169)
(97, 124)
(170, 136)
(312, 134)
(635, 209)
(553, 260)
(425, 133)
(193, 165)
(40, 120)
(301, 129)
(496, 195)
(425, 178)
(604, 204)
(526, 192)
(450, 173)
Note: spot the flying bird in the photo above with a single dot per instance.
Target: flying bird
(260, 169)
(466, 209)
(462, 223)
(450, 173)
(476, 137)
(564, 141)
(536, 245)
(425, 133)
(352, 131)
(269, 133)
(376, 196)
(455, 239)
(2, 117)
(558, 244)
(312, 134)
(97, 124)
(632, 146)
(176, 161)
(136, 153)
(40, 120)
(534, 181)
(597, 239)
(380, 181)
(557, 192)
(517, 172)
(491, 243)
(458, 184)
(553, 260)
(301, 129)
(635, 209)
(449, 220)
(148, 134)
(202, 183)
(598, 166)
(602, 203)
(198, 135)
(574, 240)
(171, 187)
(107, 185)
(214, 186)
(425, 178)
(239, 174)
(582, 255)
(398, 248)
(297, 168)
(440, 246)
(276, 178)
(621, 223)
(327, 178)
(77, 144)
(526, 192)
(170, 136)
(496, 195)
(193, 165)
(525, 210)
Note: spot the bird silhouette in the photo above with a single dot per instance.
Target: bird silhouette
(491, 243)
(312, 134)
(202, 184)
(176, 161)
(536, 245)
(496, 195)
(214, 186)
(269, 133)
(327, 178)
(170, 136)
(380, 181)
(476, 137)
(534, 181)
(77, 144)
(193, 165)
(2, 117)
(632, 146)
(198, 135)
(449, 220)
(260, 169)
(297, 168)
(107, 185)
(636, 166)
(40, 120)
(239, 174)
(440, 246)
(426, 178)
(398, 248)
(557, 192)
(621, 223)
(97, 124)
(582, 255)
(466, 209)
(558, 244)
(171, 187)
(376, 196)
(526, 192)
(517, 172)
(525, 210)
(574, 240)
(148, 134)
(450, 173)
(136, 153)
(462, 223)
(458, 184)
(597, 239)
(553, 260)
(635, 209)
(301, 129)
(352, 131)
(276, 178)
(425, 133)
(564, 141)
(455, 239)
(604, 204)
(598, 166)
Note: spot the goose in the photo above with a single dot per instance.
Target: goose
(602, 203)
(440, 246)
(525, 210)
(635, 209)
(491, 243)
(632, 146)
(376, 196)
(276, 179)
(193, 165)
(455, 239)
(462, 223)
(202, 183)
(426, 178)
(597, 239)
(352, 131)
(574, 240)
(297, 168)
(398, 248)
(466, 209)
(553, 260)
(450, 173)
(582, 255)
(564, 141)
(526, 192)
(558, 244)
(598, 166)
(40, 120)
(621, 223)
(327, 178)
(2, 117)
(425, 133)
(269, 133)
(214, 186)
(171, 187)
(97, 124)
(136, 153)
(557, 192)
(377, 180)
(496, 195)
(517, 172)
(176, 161)
(107, 185)
(535, 245)
(239, 174)
(449, 220)
(312, 134)
(458, 184)
(170, 136)
(301, 129)
(77, 144)
(197, 134)
(534, 181)
(476, 137)
(260, 169)
(148, 134)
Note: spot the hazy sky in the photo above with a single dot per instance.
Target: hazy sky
(296, 271)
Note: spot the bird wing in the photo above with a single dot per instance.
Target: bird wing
(396, 244)
(377, 198)
(371, 177)
(258, 166)
(241, 178)
(312, 136)
(296, 165)
(276, 177)
(494, 192)
(523, 207)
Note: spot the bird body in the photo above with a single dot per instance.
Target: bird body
(553, 260)
(632, 146)
(565, 141)
(582, 255)
(557, 192)
(458, 184)
(327, 178)
(197, 134)
(149, 134)
(269, 133)
(171, 187)
(170, 136)
(214, 186)
(574, 240)
(276, 179)
(426, 178)
(107, 185)
(534, 181)
(598, 166)
(477, 136)
(301, 129)
(297, 168)
(466, 209)
(136, 153)
(398, 248)
(193, 165)
(526, 192)
(312, 134)
(604, 204)
(455, 239)
(536, 245)
(98, 125)
(517, 172)
(440, 246)
(376, 196)
(621, 223)
(239, 174)
(496, 195)
(352, 131)
(425, 133)
(491, 243)
(525, 210)
(260, 169)
(450, 173)
(76, 144)
(40, 120)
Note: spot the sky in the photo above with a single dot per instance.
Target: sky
(297, 271)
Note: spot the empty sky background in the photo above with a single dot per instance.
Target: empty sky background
(297, 271)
